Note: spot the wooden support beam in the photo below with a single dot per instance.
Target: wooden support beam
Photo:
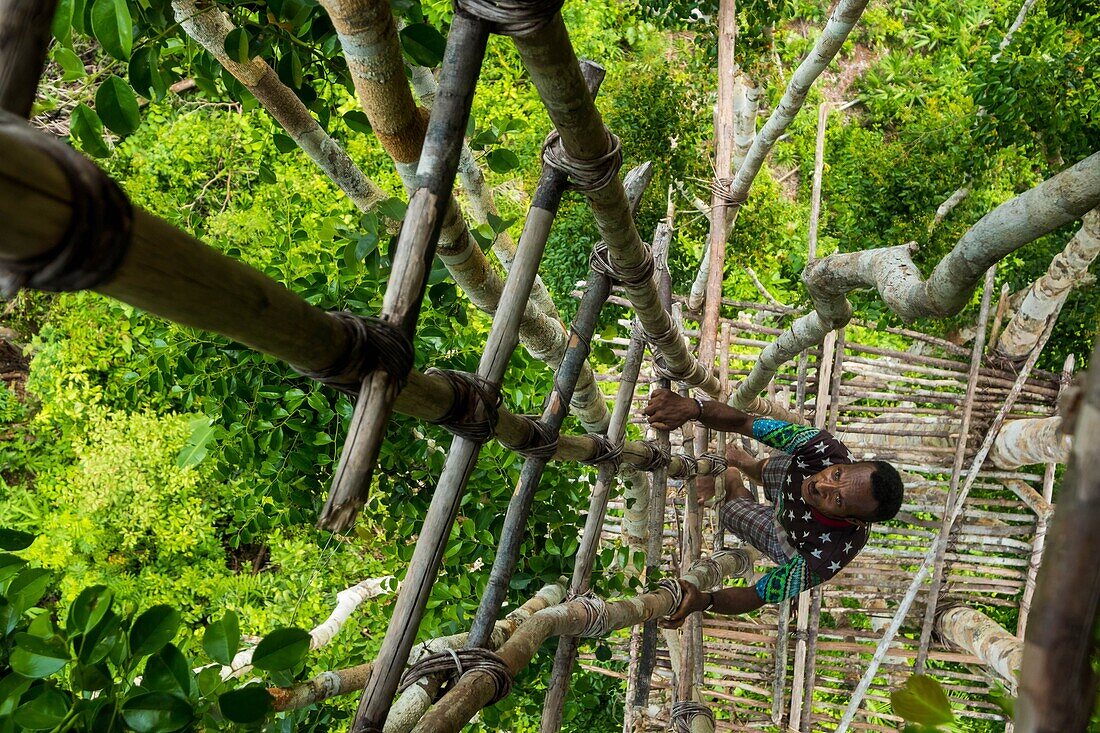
(585, 561)
(24, 38)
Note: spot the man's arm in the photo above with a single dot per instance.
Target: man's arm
(727, 601)
(667, 411)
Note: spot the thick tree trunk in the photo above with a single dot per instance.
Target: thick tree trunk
(1068, 269)
(209, 26)
(1052, 204)
(985, 639)
(840, 24)
(1057, 683)
(1029, 441)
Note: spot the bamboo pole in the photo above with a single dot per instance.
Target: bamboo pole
(585, 560)
(24, 38)
(412, 263)
(922, 573)
(723, 162)
(662, 239)
(832, 37)
(1057, 685)
(554, 69)
(368, 36)
(165, 271)
(946, 528)
(475, 689)
(1038, 211)
(209, 27)
(344, 681)
(554, 412)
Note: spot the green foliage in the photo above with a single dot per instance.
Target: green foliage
(923, 704)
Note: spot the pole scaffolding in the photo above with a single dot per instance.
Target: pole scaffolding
(554, 412)
(566, 655)
(932, 599)
(891, 631)
(412, 263)
(584, 144)
(588, 617)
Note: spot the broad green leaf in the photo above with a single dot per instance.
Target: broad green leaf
(202, 433)
(62, 27)
(85, 126)
(168, 671)
(88, 609)
(222, 638)
(14, 540)
(289, 69)
(70, 63)
(499, 224)
(281, 649)
(27, 588)
(424, 44)
(94, 646)
(922, 701)
(117, 106)
(284, 143)
(156, 712)
(502, 160)
(145, 74)
(393, 208)
(153, 629)
(245, 705)
(357, 121)
(113, 27)
(10, 565)
(44, 712)
(12, 688)
(236, 45)
(90, 678)
(35, 658)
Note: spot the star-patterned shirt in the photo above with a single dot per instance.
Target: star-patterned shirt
(818, 546)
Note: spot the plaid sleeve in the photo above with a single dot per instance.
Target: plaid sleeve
(786, 581)
(782, 435)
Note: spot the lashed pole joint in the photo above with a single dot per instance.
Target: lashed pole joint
(549, 57)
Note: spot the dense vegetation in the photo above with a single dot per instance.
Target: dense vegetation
(166, 466)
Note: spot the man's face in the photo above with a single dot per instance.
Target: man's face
(842, 492)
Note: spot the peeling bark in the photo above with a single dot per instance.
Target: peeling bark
(985, 639)
(840, 24)
(1029, 441)
(1052, 204)
(1044, 299)
(209, 26)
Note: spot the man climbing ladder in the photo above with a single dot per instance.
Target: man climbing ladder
(823, 501)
